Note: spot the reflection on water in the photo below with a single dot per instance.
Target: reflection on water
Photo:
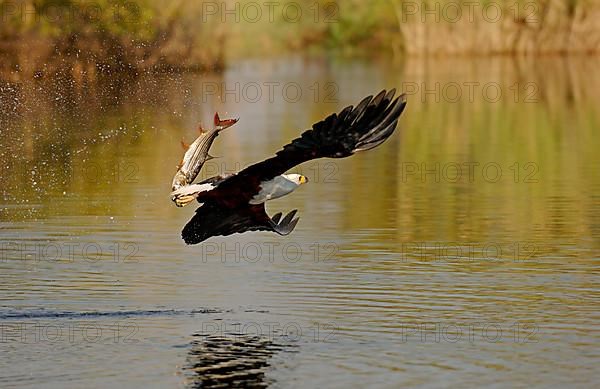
(464, 251)
(237, 361)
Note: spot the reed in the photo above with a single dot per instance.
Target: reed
(102, 36)
(440, 27)
(424, 28)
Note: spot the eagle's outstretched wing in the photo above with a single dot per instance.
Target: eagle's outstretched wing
(212, 219)
(340, 135)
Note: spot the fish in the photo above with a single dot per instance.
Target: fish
(197, 154)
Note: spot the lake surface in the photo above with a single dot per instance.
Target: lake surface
(463, 252)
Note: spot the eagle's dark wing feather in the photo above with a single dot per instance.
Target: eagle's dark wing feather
(340, 135)
(212, 219)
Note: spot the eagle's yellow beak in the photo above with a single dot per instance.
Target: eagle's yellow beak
(303, 179)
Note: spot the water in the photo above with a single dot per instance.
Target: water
(462, 252)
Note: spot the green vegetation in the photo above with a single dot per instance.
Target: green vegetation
(105, 35)
(41, 36)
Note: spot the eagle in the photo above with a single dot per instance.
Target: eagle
(235, 203)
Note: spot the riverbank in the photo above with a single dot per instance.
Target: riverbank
(40, 37)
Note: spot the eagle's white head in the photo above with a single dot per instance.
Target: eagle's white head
(278, 187)
(297, 179)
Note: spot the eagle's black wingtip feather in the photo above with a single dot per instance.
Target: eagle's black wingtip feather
(288, 218)
(384, 125)
(276, 217)
(287, 224)
(376, 138)
(292, 225)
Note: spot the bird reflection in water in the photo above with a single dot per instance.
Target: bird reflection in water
(230, 361)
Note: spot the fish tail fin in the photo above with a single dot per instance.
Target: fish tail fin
(223, 124)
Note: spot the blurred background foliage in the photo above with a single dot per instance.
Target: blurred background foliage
(38, 36)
